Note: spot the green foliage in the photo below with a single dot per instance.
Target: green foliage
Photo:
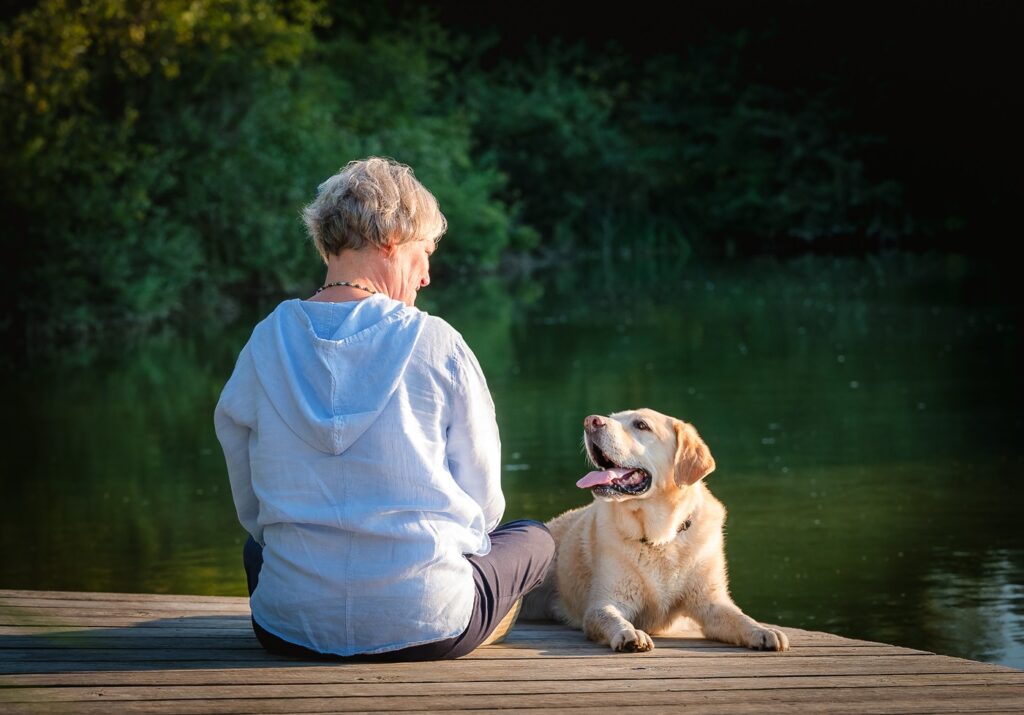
(156, 155)
(159, 155)
(119, 116)
(734, 159)
(549, 122)
(679, 152)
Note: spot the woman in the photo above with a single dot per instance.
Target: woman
(363, 451)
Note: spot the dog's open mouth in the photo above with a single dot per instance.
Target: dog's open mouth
(610, 479)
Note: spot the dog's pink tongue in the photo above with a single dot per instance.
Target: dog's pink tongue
(602, 476)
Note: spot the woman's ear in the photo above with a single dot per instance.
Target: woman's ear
(693, 458)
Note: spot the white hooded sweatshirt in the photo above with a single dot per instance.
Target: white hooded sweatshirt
(363, 454)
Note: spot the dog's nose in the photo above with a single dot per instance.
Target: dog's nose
(593, 422)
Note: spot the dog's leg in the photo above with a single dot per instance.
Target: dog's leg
(605, 623)
(724, 621)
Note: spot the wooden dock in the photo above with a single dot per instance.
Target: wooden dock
(114, 653)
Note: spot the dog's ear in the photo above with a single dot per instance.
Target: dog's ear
(693, 458)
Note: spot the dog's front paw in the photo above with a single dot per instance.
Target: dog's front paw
(631, 640)
(767, 639)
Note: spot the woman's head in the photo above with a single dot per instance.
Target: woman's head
(372, 203)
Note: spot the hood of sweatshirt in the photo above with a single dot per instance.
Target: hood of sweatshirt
(329, 369)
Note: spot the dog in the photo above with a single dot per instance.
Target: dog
(650, 548)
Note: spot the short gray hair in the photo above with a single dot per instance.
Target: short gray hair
(375, 201)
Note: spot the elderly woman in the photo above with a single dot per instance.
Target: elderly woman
(363, 452)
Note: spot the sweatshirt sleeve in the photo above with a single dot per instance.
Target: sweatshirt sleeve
(474, 448)
(233, 424)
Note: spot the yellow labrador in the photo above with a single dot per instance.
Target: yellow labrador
(649, 548)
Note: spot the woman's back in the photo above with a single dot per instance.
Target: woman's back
(362, 472)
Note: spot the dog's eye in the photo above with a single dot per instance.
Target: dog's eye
(640, 424)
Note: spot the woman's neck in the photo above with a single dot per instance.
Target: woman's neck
(358, 271)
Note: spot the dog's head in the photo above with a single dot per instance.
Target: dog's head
(639, 452)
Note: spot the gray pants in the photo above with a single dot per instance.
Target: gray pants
(521, 552)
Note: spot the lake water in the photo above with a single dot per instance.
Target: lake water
(865, 415)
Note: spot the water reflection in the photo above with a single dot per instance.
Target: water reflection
(865, 417)
(980, 603)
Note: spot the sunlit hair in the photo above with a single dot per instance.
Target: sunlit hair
(375, 201)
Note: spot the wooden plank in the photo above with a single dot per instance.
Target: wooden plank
(23, 594)
(76, 640)
(312, 677)
(72, 647)
(796, 635)
(73, 608)
(96, 693)
(86, 652)
(568, 667)
(120, 610)
(710, 710)
(75, 619)
(168, 640)
(55, 647)
(126, 633)
(186, 638)
(307, 678)
(967, 698)
(143, 619)
(243, 628)
(559, 635)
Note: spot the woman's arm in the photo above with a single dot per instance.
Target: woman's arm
(474, 448)
(233, 431)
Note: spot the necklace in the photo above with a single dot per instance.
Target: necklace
(345, 283)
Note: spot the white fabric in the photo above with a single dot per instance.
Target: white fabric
(363, 454)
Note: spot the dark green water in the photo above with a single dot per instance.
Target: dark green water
(865, 416)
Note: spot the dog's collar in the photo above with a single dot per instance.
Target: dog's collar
(682, 527)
